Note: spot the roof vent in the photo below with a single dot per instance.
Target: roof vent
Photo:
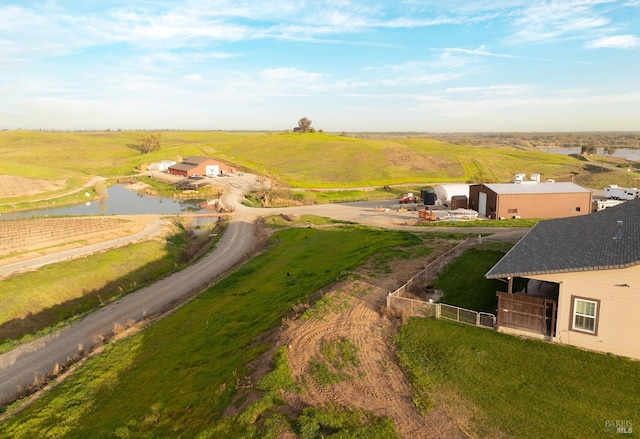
(618, 230)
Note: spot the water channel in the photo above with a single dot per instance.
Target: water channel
(120, 201)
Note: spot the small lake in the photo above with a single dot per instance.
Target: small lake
(120, 201)
(623, 153)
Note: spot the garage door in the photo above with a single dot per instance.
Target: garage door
(482, 204)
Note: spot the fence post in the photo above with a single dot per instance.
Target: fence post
(437, 310)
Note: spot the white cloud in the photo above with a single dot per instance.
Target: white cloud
(285, 74)
(615, 41)
(195, 77)
(559, 19)
(492, 90)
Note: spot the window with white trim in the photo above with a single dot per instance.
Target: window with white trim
(585, 315)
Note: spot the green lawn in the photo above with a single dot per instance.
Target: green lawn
(175, 378)
(494, 382)
(463, 282)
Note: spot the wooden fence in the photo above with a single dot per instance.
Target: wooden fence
(529, 313)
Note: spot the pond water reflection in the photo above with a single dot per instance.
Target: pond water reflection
(120, 201)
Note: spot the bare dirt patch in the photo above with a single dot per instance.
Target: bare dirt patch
(379, 386)
(13, 185)
(357, 313)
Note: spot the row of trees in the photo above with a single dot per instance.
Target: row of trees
(541, 140)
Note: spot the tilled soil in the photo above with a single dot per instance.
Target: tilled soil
(13, 186)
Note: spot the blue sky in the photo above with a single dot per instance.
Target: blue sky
(348, 65)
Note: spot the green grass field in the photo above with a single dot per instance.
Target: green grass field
(307, 161)
(39, 301)
(498, 384)
(175, 378)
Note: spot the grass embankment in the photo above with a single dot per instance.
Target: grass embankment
(175, 378)
(493, 383)
(54, 294)
(511, 223)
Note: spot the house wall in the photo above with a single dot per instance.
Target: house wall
(618, 329)
(543, 205)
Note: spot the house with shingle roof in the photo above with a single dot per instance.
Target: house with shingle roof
(576, 281)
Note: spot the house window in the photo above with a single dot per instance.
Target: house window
(512, 210)
(575, 209)
(584, 315)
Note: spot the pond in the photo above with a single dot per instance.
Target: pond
(120, 201)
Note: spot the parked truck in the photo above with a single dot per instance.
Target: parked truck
(614, 192)
(409, 198)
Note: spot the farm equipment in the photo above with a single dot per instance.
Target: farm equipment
(426, 215)
(409, 198)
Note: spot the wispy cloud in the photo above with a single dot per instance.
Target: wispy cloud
(482, 52)
(493, 90)
(552, 20)
(615, 41)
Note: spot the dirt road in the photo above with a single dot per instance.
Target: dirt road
(382, 388)
(30, 363)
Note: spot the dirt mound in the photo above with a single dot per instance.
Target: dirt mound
(378, 385)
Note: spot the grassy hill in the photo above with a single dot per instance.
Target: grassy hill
(299, 161)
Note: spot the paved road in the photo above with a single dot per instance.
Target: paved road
(23, 366)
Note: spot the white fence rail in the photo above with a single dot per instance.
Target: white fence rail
(463, 315)
(420, 308)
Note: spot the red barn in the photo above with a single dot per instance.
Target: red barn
(200, 166)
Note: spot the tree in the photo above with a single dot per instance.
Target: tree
(304, 125)
(589, 149)
(148, 142)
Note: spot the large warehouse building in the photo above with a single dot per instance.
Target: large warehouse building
(529, 199)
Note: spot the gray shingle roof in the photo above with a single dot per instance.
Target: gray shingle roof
(585, 243)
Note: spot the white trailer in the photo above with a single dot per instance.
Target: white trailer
(614, 192)
(599, 205)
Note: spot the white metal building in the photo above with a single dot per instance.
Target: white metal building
(444, 192)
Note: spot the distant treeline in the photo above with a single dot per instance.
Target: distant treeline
(546, 140)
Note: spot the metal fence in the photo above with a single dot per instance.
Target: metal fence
(420, 308)
(420, 280)
(463, 315)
